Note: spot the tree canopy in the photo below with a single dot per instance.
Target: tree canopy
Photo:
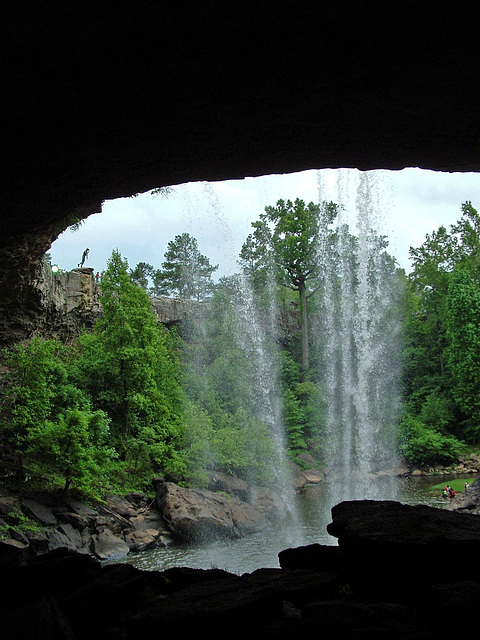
(288, 237)
(185, 273)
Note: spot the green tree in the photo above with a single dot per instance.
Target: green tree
(256, 257)
(186, 272)
(463, 331)
(73, 447)
(421, 445)
(141, 274)
(131, 372)
(439, 328)
(50, 423)
(291, 232)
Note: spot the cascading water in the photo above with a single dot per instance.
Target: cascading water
(252, 328)
(359, 335)
(256, 332)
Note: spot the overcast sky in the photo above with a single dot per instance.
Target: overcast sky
(406, 205)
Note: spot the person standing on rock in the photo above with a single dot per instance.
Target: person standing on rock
(84, 257)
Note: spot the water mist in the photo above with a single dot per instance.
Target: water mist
(256, 333)
(358, 332)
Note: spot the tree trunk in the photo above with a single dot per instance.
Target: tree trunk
(304, 326)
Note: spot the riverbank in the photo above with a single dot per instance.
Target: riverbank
(37, 523)
(467, 464)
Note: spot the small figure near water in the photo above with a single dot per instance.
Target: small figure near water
(467, 486)
(84, 257)
(448, 492)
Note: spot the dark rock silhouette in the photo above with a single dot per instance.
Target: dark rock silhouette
(398, 572)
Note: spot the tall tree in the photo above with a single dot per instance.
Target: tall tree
(186, 272)
(49, 424)
(291, 232)
(463, 330)
(141, 274)
(440, 328)
(132, 374)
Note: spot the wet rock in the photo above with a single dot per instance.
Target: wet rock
(313, 477)
(120, 506)
(39, 512)
(219, 481)
(143, 539)
(194, 514)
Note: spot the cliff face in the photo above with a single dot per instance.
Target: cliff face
(60, 305)
(66, 302)
(54, 305)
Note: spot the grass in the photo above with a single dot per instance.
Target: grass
(457, 484)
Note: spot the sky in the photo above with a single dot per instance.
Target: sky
(405, 206)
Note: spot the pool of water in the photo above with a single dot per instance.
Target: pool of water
(261, 550)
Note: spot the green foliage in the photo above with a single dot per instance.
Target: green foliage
(285, 243)
(49, 423)
(422, 446)
(303, 409)
(130, 371)
(18, 521)
(73, 449)
(142, 274)
(463, 353)
(294, 422)
(441, 327)
(132, 400)
(185, 273)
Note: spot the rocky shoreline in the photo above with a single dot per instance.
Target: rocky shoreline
(230, 508)
(397, 572)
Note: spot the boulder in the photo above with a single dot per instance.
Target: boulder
(10, 506)
(68, 523)
(219, 481)
(143, 539)
(396, 550)
(195, 514)
(120, 506)
(267, 502)
(313, 476)
(39, 512)
(107, 546)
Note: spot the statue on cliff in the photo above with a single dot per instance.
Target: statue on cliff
(84, 257)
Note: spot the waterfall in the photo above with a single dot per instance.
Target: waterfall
(256, 327)
(358, 332)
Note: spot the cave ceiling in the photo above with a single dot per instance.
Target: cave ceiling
(104, 100)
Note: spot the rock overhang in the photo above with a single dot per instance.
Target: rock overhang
(104, 104)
